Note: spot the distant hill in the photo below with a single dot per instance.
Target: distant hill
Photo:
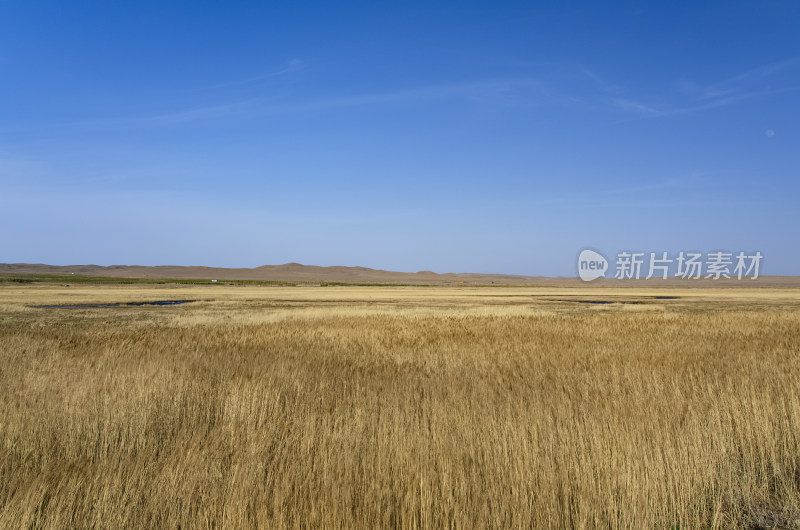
(305, 274)
(288, 272)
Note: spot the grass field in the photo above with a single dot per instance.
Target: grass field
(331, 407)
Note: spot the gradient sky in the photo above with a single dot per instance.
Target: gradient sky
(455, 137)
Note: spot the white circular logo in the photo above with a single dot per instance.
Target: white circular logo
(591, 265)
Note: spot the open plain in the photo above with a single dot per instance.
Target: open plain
(411, 407)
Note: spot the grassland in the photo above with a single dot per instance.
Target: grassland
(291, 407)
(84, 279)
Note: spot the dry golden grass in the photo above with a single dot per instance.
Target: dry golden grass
(401, 407)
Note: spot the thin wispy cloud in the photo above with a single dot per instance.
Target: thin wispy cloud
(162, 119)
(654, 111)
(292, 67)
(505, 92)
(764, 71)
(486, 91)
(697, 98)
(222, 99)
(587, 196)
(599, 81)
(188, 115)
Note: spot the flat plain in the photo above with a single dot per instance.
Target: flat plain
(412, 407)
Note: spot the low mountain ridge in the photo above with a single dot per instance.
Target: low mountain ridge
(287, 272)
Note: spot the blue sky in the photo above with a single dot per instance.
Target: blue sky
(454, 137)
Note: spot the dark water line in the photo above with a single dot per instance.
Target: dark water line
(80, 306)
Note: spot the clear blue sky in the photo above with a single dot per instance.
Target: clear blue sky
(461, 137)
